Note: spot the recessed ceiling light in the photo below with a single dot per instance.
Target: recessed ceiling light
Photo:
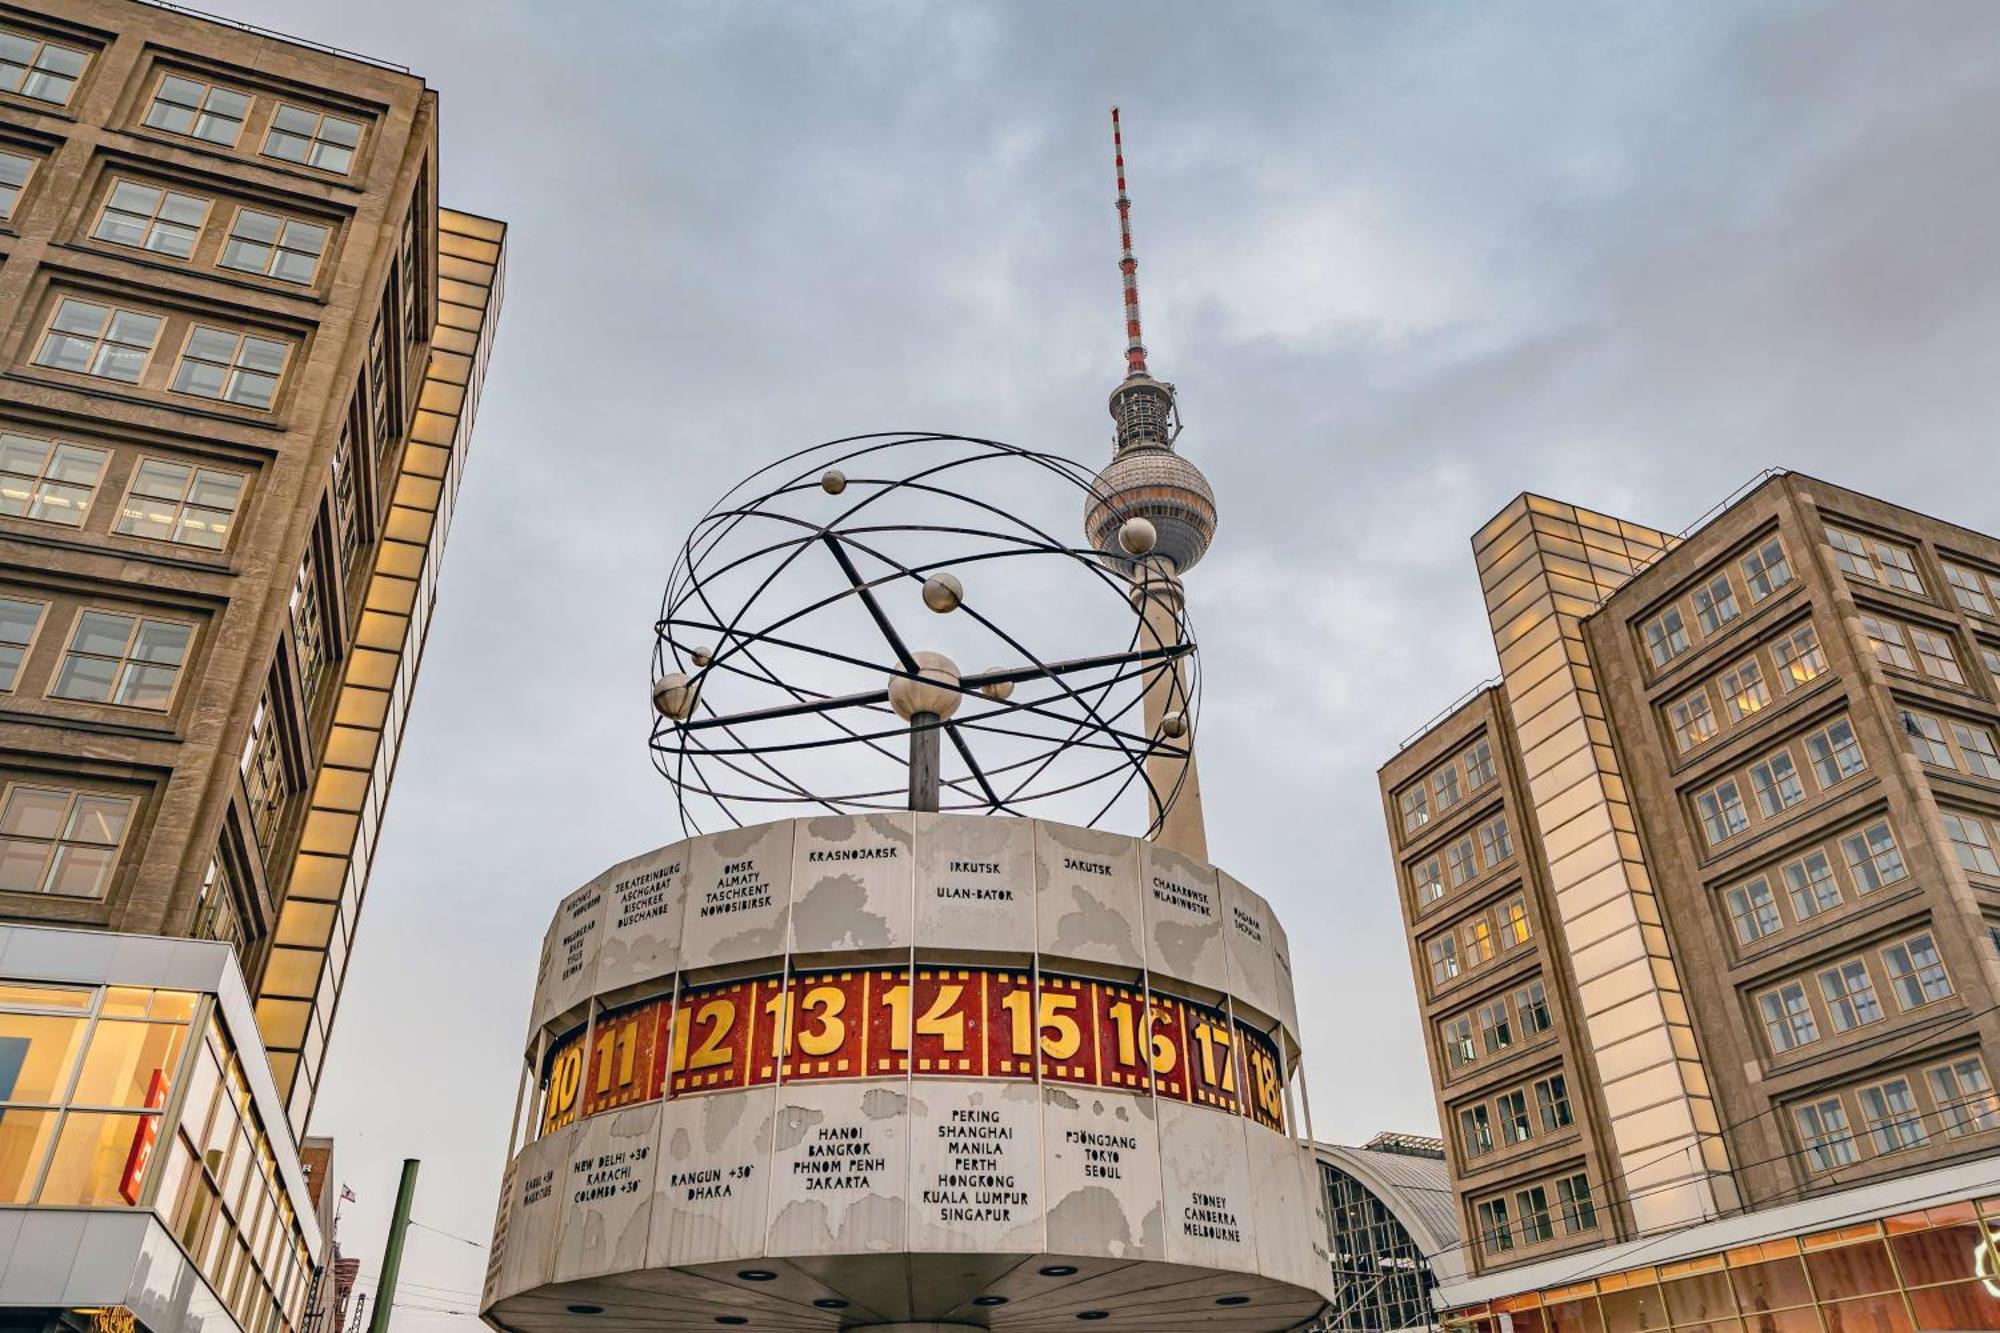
(989, 1300)
(1094, 1314)
(1232, 1300)
(1059, 1270)
(830, 1303)
(586, 1309)
(756, 1275)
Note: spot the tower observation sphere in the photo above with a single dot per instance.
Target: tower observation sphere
(1147, 479)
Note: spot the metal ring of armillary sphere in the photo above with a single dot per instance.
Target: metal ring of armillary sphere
(888, 621)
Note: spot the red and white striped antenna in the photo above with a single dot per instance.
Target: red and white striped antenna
(1128, 264)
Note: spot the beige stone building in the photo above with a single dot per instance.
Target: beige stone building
(1703, 903)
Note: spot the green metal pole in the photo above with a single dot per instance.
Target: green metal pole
(392, 1252)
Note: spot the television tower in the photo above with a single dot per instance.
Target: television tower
(1146, 479)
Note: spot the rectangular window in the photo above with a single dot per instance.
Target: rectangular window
(1850, 995)
(1479, 765)
(1889, 1110)
(1578, 1212)
(189, 506)
(47, 481)
(1885, 638)
(1967, 589)
(1800, 658)
(263, 770)
(1458, 1047)
(1429, 880)
(37, 69)
(1534, 1205)
(1722, 816)
(1851, 554)
(1552, 1103)
(1936, 655)
(345, 515)
(1976, 744)
(1927, 739)
(15, 169)
(204, 111)
(127, 660)
(1715, 604)
(1666, 636)
(1514, 927)
(1916, 973)
(1810, 884)
(165, 222)
(1964, 1096)
(1444, 959)
(1416, 803)
(1991, 656)
(1496, 841)
(1531, 1007)
(1898, 567)
(1788, 1018)
(215, 912)
(1968, 838)
(312, 139)
(1693, 721)
(308, 629)
(1744, 691)
(1776, 782)
(59, 841)
(1836, 754)
(19, 620)
(1765, 570)
(1477, 937)
(1496, 1234)
(1824, 1132)
(1494, 1028)
(274, 246)
(1475, 1131)
(1872, 857)
(1444, 786)
(1514, 1125)
(94, 339)
(233, 367)
(1752, 911)
(1464, 865)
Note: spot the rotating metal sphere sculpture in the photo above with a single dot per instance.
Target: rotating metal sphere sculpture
(887, 622)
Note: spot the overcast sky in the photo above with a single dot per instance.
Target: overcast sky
(1403, 262)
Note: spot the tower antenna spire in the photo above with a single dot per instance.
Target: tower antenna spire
(1128, 264)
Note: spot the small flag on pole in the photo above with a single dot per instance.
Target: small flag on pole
(346, 1194)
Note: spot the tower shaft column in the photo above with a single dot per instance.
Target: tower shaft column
(1172, 776)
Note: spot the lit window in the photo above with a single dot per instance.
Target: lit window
(1776, 783)
(1444, 786)
(52, 482)
(121, 659)
(165, 222)
(1464, 865)
(1429, 879)
(1514, 928)
(1872, 857)
(1824, 1131)
(1964, 1095)
(38, 69)
(198, 110)
(282, 248)
(1927, 739)
(1416, 803)
(1495, 1232)
(1722, 815)
(234, 367)
(18, 621)
(1534, 1205)
(1976, 744)
(1444, 959)
(1514, 1124)
(263, 770)
(1788, 1018)
(172, 502)
(312, 139)
(1578, 1212)
(1552, 1100)
(1851, 554)
(1836, 754)
(1475, 1129)
(1753, 912)
(1968, 836)
(1891, 1115)
(1531, 1008)
(1693, 721)
(308, 630)
(1799, 658)
(1886, 638)
(94, 339)
(1968, 589)
(15, 168)
(1496, 841)
(1666, 636)
(1744, 691)
(1936, 655)
(1850, 995)
(1495, 1030)
(1765, 570)
(1810, 885)
(1479, 765)
(62, 842)
(1916, 973)
(1458, 1046)
(1478, 940)
(1715, 604)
